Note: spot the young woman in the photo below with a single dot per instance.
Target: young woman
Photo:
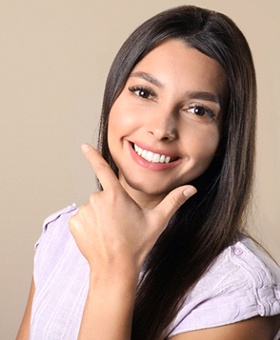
(160, 252)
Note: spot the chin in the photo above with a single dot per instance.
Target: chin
(152, 189)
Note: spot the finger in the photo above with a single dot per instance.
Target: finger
(101, 168)
(173, 201)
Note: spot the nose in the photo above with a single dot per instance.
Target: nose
(163, 126)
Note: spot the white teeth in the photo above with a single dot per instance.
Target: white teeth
(144, 154)
(156, 158)
(162, 159)
(150, 156)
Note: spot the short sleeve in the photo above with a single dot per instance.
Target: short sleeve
(52, 218)
(242, 283)
(61, 276)
(54, 238)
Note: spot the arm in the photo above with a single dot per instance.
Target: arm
(115, 235)
(257, 328)
(23, 333)
(109, 307)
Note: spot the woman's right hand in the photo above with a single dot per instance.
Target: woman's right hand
(112, 231)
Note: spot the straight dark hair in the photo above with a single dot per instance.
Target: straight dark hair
(214, 218)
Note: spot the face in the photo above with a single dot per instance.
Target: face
(164, 128)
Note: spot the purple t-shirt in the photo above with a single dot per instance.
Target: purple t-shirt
(242, 283)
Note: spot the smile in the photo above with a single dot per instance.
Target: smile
(153, 157)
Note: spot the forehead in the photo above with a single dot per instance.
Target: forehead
(173, 61)
(177, 58)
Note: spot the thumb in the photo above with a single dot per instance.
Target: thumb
(173, 201)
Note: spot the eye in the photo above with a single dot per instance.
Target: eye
(201, 111)
(142, 92)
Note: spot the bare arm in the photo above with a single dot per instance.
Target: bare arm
(115, 235)
(109, 308)
(23, 333)
(257, 328)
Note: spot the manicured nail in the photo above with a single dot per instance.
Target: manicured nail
(190, 192)
(85, 147)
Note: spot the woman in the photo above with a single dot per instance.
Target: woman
(160, 252)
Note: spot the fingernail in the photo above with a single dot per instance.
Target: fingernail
(190, 192)
(85, 147)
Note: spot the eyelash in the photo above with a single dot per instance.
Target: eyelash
(149, 94)
(207, 112)
(146, 92)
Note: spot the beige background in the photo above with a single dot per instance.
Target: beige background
(54, 57)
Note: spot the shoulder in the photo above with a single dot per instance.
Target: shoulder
(256, 328)
(56, 224)
(53, 244)
(242, 283)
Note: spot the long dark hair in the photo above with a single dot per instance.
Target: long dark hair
(214, 218)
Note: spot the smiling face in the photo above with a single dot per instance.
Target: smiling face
(164, 128)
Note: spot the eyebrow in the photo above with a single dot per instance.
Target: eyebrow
(202, 95)
(207, 96)
(148, 77)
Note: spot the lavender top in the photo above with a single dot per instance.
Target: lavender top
(243, 282)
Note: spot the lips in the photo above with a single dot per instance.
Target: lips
(153, 157)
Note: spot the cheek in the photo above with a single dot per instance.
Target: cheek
(120, 115)
(212, 144)
(205, 144)
(115, 122)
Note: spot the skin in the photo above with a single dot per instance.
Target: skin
(160, 118)
(23, 333)
(118, 227)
